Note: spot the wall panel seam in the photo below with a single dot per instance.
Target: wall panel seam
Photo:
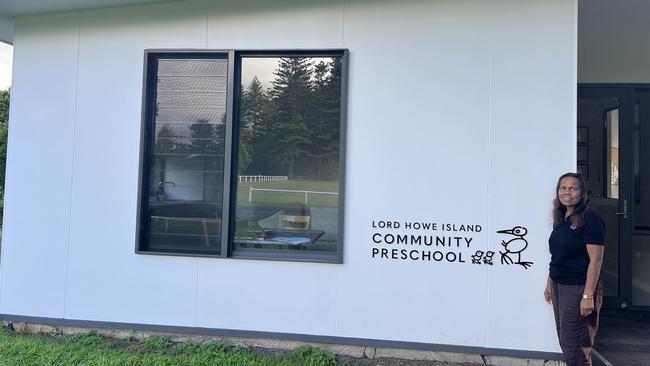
(343, 3)
(74, 134)
(489, 175)
(336, 274)
(207, 22)
(196, 294)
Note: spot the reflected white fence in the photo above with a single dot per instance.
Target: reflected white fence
(305, 193)
(261, 178)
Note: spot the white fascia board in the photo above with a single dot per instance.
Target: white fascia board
(17, 8)
(10, 9)
(7, 30)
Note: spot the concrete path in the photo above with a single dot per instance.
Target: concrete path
(624, 337)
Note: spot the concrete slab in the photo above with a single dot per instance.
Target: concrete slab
(418, 355)
(624, 338)
(512, 361)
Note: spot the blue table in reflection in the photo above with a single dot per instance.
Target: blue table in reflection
(294, 238)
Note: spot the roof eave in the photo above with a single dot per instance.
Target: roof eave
(7, 30)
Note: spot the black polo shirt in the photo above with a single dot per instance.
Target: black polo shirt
(567, 244)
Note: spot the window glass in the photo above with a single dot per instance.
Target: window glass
(288, 155)
(258, 181)
(641, 163)
(611, 125)
(185, 193)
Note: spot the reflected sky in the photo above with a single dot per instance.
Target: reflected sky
(263, 68)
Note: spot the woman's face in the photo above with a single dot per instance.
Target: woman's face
(569, 192)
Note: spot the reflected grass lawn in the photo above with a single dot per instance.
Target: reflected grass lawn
(292, 199)
(265, 205)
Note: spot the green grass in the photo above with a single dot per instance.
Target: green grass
(93, 350)
(287, 198)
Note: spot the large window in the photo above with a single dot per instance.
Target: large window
(242, 154)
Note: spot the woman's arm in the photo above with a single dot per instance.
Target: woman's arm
(547, 291)
(593, 271)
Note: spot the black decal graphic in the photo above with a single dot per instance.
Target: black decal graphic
(476, 258)
(488, 258)
(514, 246)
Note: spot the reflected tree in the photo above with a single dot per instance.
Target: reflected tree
(253, 119)
(325, 129)
(291, 95)
(207, 140)
(165, 140)
(293, 128)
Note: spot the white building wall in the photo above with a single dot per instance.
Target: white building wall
(39, 166)
(417, 123)
(532, 142)
(286, 297)
(106, 279)
(458, 112)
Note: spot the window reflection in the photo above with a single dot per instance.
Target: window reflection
(186, 173)
(611, 124)
(288, 155)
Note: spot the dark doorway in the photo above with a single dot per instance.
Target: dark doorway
(613, 153)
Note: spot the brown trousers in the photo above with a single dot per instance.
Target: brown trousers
(575, 332)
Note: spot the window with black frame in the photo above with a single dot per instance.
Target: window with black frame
(274, 120)
(288, 154)
(185, 158)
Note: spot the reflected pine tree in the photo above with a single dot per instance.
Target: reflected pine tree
(253, 118)
(293, 128)
(207, 140)
(325, 127)
(165, 140)
(291, 95)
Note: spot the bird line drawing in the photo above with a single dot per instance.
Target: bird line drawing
(479, 257)
(514, 246)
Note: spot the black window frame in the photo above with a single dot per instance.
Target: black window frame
(233, 95)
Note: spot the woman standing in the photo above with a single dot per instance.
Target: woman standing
(573, 287)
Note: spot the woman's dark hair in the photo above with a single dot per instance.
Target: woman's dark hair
(559, 210)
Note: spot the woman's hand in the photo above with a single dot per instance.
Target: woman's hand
(547, 293)
(586, 306)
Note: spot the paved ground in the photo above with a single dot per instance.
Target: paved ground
(624, 337)
(395, 362)
(353, 361)
(350, 361)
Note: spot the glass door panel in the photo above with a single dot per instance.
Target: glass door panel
(599, 125)
(611, 149)
(641, 198)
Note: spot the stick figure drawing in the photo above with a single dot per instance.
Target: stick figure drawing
(514, 246)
